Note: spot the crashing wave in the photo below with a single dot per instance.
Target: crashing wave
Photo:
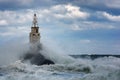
(107, 68)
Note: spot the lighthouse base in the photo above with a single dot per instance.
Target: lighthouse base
(35, 57)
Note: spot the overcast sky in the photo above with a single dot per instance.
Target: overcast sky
(74, 26)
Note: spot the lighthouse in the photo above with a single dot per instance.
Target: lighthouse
(34, 55)
(34, 36)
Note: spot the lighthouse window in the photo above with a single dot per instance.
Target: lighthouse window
(36, 30)
(33, 34)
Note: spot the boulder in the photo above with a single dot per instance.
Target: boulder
(37, 59)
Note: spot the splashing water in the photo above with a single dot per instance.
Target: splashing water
(106, 68)
(65, 68)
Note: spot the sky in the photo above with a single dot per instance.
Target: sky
(71, 26)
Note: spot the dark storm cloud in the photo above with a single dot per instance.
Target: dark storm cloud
(111, 6)
(95, 3)
(10, 4)
(24, 4)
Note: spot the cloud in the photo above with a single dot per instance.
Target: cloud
(24, 4)
(35, 4)
(3, 22)
(95, 5)
(49, 15)
(15, 17)
(98, 25)
(59, 17)
(85, 41)
(63, 21)
(76, 27)
(91, 25)
(15, 31)
(98, 3)
(74, 11)
(66, 11)
(56, 11)
(113, 3)
(111, 17)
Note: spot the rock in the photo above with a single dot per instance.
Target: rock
(37, 59)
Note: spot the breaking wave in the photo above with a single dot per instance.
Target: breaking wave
(65, 67)
(106, 68)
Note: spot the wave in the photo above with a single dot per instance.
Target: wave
(106, 68)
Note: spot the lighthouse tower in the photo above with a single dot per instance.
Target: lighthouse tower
(34, 35)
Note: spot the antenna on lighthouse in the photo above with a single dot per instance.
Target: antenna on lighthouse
(35, 24)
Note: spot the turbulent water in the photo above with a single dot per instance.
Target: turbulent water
(106, 68)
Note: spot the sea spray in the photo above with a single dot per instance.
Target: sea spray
(12, 52)
(101, 70)
(58, 58)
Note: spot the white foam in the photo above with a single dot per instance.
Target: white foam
(107, 68)
(55, 56)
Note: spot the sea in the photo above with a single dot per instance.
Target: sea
(76, 67)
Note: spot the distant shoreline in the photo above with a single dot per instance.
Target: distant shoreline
(94, 56)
